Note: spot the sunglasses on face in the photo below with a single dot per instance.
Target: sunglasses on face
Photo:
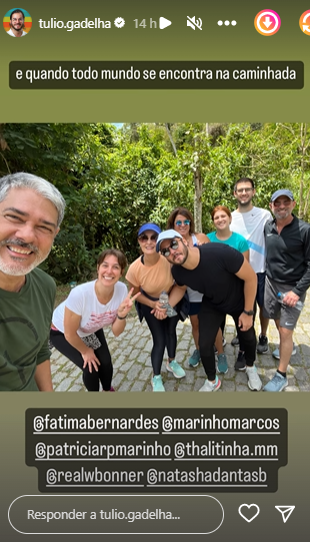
(173, 245)
(143, 238)
(286, 203)
(185, 222)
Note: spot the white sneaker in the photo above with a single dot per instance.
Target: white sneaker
(211, 386)
(254, 382)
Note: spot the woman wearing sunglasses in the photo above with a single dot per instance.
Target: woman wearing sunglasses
(182, 221)
(78, 322)
(221, 217)
(150, 275)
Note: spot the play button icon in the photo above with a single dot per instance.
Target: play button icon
(163, 23)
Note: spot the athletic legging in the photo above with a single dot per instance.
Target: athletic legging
(105, 369)
(210, 320)
(164, 335)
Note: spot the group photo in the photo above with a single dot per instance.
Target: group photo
(155, 257)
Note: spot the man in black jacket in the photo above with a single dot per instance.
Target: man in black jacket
(288, 272)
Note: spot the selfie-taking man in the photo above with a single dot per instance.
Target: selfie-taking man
(31, 210)
(17, 24)
(288, 273)
(229, 286)
(249, 221)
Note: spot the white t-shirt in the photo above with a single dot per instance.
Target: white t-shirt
(83, 301)
(11, 33)
(251, 226)
(193, 295)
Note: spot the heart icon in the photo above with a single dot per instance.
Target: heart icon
(248, 506)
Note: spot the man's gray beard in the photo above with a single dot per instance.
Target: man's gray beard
(17, 269)
(281, 217)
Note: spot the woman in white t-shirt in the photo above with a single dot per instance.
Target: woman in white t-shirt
(78, 322)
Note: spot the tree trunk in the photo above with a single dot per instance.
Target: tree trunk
(303, 202)
(171, 138)
(198, 200)
(134, 135)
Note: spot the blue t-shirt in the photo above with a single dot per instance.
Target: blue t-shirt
(236, 241)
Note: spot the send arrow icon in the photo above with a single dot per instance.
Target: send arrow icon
(285, 511)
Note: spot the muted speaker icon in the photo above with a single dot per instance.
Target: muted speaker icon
(194, 23)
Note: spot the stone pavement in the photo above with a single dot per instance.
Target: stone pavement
(133, 371)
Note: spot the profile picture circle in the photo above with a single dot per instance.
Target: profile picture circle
(17, 22)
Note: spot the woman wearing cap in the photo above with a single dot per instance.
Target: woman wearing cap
(78, 321)
(151, 275)
(221, 217)
(182, 221)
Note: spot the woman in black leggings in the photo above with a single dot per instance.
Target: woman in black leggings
(151, 275)
(78, 322)
(164, 336)
(91, 378)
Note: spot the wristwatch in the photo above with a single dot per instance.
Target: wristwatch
(249, 313)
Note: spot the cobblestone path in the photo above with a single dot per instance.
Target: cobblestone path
(133, 371)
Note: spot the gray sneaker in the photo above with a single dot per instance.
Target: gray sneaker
(262, 345)
(235, 341)
(240, 364)
(254, 382)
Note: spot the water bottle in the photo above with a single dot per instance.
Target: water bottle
(164, 302)
(299, 305)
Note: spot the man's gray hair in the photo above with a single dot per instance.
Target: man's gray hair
(39, 185)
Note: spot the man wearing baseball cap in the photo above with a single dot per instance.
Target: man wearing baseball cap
(288, 273)
(229, 285)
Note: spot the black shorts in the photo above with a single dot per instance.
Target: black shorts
(260, 288)
(194, 308)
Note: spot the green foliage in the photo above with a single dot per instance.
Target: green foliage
(70, 260)
(115, 180)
